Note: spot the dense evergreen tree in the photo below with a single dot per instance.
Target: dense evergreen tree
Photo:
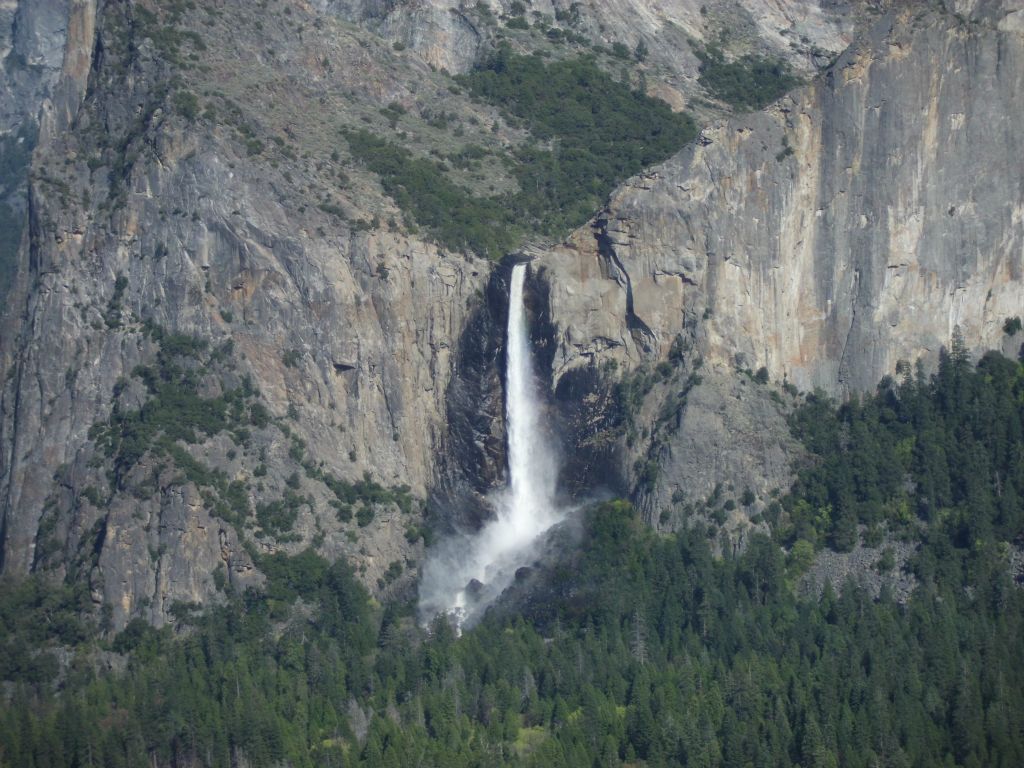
(637, 648)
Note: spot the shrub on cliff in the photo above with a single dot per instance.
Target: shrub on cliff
(750, 82)
(593, 132)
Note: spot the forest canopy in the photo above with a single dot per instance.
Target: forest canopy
(636, 648)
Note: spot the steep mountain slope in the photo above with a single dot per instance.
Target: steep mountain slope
(255, 303)
(854, 224)
(222, 338)
(225, 338)
(147, 215)
(806, 34)
(34, 59)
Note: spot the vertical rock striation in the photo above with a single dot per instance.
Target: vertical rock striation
(854, 223)
(183, 189)
(345, 335)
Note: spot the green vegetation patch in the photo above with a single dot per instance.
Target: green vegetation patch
(451, 213)
(750, 82)
(943, 450)
(638, 649)
(176, 413)
(279, 516)
(600, 131)
(175, 410)
(591, 132)
(164, 30)
(38, 614)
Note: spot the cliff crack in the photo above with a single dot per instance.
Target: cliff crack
(641, 332)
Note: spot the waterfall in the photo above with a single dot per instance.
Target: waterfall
(531, 466)
(468, 574)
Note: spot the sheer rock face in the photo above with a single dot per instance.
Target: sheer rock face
(444, 35)
(346, 334)
(34, 52)
(40, 71)
(851, 225)
(731, 436)
(450, 35)
(369, 318)
(894, 215)
(856, 223)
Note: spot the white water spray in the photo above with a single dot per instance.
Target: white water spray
(463, 578)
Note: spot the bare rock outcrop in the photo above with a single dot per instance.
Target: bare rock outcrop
(452, 35)
(195, 220)
(729, 437)
(871, 568)
(145, 226)
(855, 223)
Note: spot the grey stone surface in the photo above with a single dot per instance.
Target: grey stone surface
(855, 223)
(804, 33)
(729, 431)
(213, 241)
(896, 215)
(861, 567)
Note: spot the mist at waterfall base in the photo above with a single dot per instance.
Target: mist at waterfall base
(466, 573)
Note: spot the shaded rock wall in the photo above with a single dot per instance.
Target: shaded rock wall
(347, 335)
(855, 223)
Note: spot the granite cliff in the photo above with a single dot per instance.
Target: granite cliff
(853, 224)
(224, 340)
(145, 231)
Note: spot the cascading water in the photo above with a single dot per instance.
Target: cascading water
(529, 499)
(465, 576)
